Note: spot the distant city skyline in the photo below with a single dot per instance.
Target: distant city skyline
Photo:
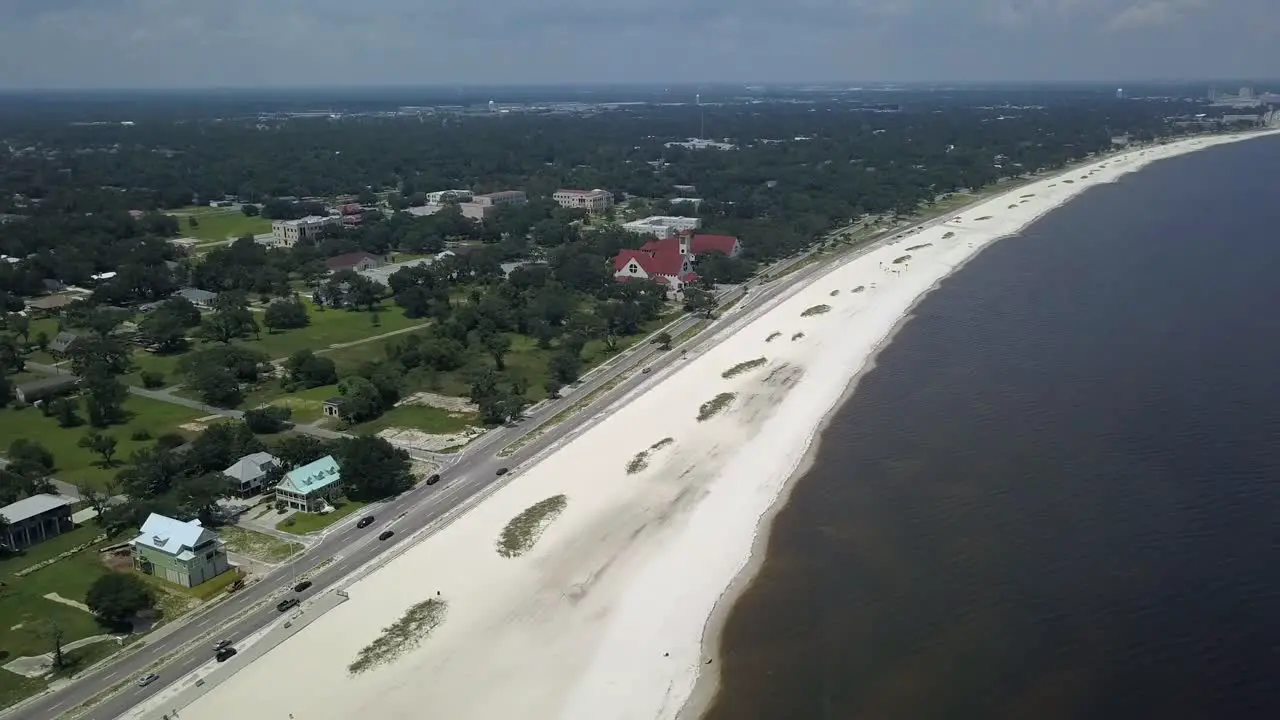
(88, 44)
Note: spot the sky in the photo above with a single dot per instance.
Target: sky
(271, 43)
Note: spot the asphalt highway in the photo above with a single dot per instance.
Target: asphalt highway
(346, 548)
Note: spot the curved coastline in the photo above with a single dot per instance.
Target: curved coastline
(616, 611)
(706, 686)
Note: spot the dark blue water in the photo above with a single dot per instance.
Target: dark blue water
(1058, 495)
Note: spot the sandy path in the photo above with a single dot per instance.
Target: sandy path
(604, 618)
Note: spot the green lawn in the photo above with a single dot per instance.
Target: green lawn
(303, 523)
(222, 224)
(417, 417)
(330, 327)
(74, 464)
(307, 405)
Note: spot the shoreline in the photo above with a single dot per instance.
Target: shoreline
(707, 685)
(613, 611)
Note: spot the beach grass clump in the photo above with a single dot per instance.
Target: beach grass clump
(641, 460)
(984, 217)
(524, 529)
(899, 261)
(815, 310)
(401, 636)
(797, 336)
(1028, 195)
(835, 292)
(715, 405)
(773, 336)
(743, 367)
(1068, 181)
(1013, 206)
(948, 235)
(919, 247)
(858, 289)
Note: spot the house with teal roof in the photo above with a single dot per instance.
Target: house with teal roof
(311, 487)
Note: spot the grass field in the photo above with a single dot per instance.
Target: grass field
(26, 615)
(221, 224)
(75, 464)
(330, 327)
(303, 523)
(258, 546)
(307, 405)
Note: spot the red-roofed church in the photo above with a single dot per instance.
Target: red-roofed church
(670, 260)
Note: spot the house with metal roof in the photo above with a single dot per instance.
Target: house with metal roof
(183, 553)
(62, 342)
(35, 519)
(46, 388)
(312, 486)
(249, 472)
(199, 298)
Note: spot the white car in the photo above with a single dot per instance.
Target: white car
(147, 679)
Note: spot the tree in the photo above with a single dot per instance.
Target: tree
(216, 385)
(165, 330)
(115, 598)
(64, 409)
(664, 340)
(42, 341)
(54, 633)
(497, 345)
(362, 401)
(249, 210)
(97, 499)
(565, 366)
(21, 325)
(230, 319)
(699, 302)
(29, 457)
(285, 314)
(11, 356)
(267, 420)
(311, 370)
(372, 468)
(151, 379)
(100, 443)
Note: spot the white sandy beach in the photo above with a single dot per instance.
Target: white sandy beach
(604, 618)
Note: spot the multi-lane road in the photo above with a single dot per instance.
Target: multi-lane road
(346, 548)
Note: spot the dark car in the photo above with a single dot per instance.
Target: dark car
(302, 586)
(385, 534)
(365, 521)
(226, 653)
(645, 371)
(501, 471)
(286, 604)
(433, 479)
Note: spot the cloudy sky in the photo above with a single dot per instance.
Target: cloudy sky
(244, 43)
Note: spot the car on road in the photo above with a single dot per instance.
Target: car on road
(284, 605)
(365, 521)
(433, 479)
(147, 679)
(226, 654)
(302, 586)
(221, 644)
(386, 534)
(501, 471)
(646, 371)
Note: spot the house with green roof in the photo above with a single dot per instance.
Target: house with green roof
(312, 486)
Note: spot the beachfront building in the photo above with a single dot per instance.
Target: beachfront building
(661, 226)
(590, 200)
(249, 473)
(183, 553)
(670, 260)
(312, 486)
(287, 233)
(35, 519)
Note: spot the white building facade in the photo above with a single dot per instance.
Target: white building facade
(287, 233)
(662, 226)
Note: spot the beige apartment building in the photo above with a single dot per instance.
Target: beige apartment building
(287, 233)
(589, 200)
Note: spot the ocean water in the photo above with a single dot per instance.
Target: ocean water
(1058, 494)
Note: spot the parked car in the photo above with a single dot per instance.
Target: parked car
(365, 521)
(147, 679)
(284, 605)
(433, 479)
(302, 586)
(221, 644)
(226, 653)
(501, 471)
(386, 534)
